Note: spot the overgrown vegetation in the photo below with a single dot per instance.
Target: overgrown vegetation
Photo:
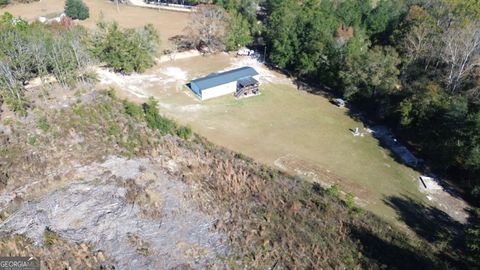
(149, 112)
(50, 237)
(270, 218)
(34, 50)
(276, 221)
(59, 255)
(125, 50)
(63, 53)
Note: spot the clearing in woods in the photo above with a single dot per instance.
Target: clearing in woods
(296, 131)
(168, 23)
(293, 130)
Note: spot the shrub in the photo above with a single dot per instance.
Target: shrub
(184, 133)
(133, 109)
(155, 120)
(333, 191)
(49, 237)
(350, 201)
(42, 124)
(32, 140)
(76, 9)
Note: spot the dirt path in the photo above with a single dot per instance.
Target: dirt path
(170, 7)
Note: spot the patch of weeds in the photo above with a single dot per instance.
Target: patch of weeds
(350, 200)
(50, 237)
(110, 92)
(333, 191)
(133, 110)
(8, 121)
(32, 140)
(79, 110)
(155, 120)
(90, 76)
(16, 104)
(243, 157)
(184, 133)
(104, 107)
(267, 173)
(114, 130)
(142, 247)
(203, 142)
(43, 124)
(79, 92)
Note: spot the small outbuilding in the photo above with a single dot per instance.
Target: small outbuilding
(241, 82)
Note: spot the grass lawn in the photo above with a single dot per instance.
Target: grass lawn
(301, 133)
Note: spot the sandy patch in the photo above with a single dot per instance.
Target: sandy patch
(134, 83)
(266, 75)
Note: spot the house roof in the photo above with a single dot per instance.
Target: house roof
(216, 79)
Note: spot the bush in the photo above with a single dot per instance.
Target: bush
(133, 110)
(50, 237)
(155, 120)
(43, 124)
(333, 191)
(184, 133)
(4, 2)
(76, 9)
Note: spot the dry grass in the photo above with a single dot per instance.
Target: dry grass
(271, 218)
(60, 254)
(88, 131)
(167, 23)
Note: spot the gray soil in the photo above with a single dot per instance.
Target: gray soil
(134, 210)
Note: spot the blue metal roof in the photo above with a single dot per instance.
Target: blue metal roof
(224, 77)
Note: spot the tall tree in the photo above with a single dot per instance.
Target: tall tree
(238, 31)
(207, 27)
(461, 52)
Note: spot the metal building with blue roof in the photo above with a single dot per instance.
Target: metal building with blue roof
(241, 81)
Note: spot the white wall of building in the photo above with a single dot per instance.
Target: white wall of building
(220, 90)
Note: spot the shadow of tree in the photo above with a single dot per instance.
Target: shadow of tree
(429, 223)
(432, 225)
(393, 253)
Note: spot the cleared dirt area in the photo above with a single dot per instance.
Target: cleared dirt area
(168, 23)
(298, 132)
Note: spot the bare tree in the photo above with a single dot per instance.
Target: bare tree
(207, 27)
(9, 83)
(418, 41)
(461, 52)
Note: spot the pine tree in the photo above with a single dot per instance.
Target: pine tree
(76, 9)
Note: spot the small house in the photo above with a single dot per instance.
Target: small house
(240, 82)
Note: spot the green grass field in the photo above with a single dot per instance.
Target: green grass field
(301, 133)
